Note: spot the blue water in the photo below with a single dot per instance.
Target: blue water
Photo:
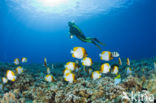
(129, 30)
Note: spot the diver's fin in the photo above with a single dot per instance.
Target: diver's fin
(102, 44)
(95, 39)
(96, 45)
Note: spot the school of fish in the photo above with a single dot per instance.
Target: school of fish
(83, 63)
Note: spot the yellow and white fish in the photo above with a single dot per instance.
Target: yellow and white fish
(117, 79)
(128, 61)
(49, 78)
(19, 69)
(45, 62)
(69, 77)
(106, 56)
(70, 65)
(66, 71)
(129, 70)
(16, 61)
(96, 75)
(11, 75)
(48, 70)
(4, 80)
(87, 61)
(105, 68)
(78, 52)
(115, 69)
(115, 54)
(120, 62)
(24, 60)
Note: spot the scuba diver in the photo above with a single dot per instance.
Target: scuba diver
(75, 31)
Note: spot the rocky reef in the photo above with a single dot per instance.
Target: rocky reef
(30, 86)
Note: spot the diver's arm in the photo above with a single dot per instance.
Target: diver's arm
(71, 34)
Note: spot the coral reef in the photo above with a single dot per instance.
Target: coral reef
(12, 97)
(150, 84)
(141, 86)
(83, 91)
(30, 86)
(131, 84)
(23, 82)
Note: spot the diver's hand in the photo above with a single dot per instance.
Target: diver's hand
(71, 36)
